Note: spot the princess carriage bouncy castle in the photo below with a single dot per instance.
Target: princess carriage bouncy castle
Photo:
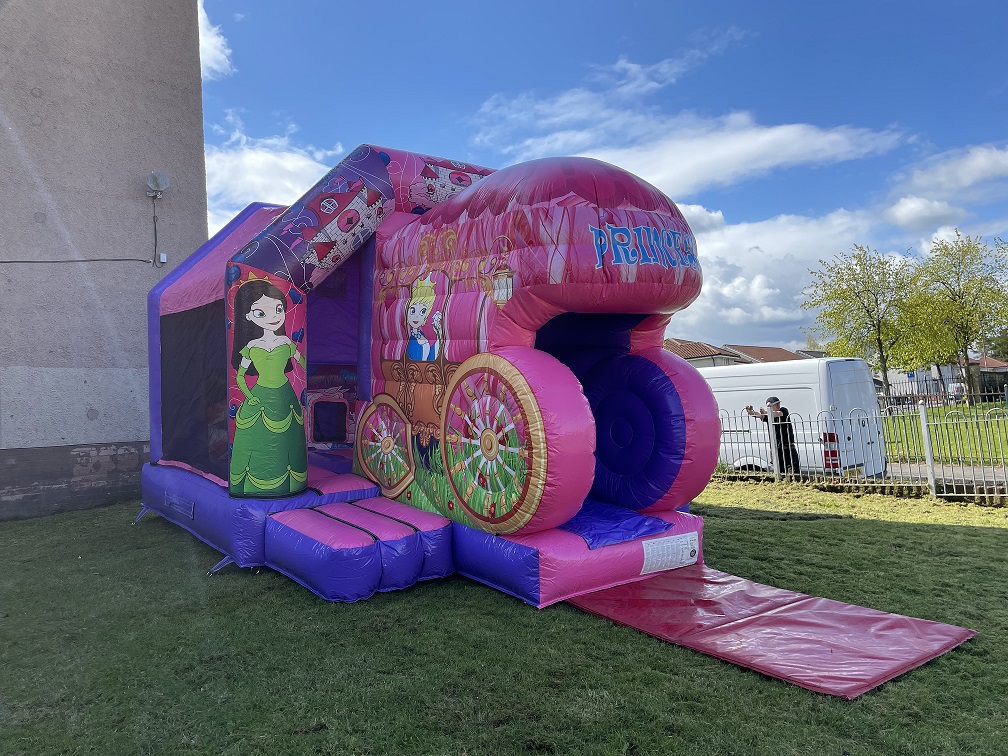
(425, 367)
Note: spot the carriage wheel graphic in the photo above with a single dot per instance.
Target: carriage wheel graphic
(493, 444)
(384, 446)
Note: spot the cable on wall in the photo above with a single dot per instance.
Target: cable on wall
(157, 184)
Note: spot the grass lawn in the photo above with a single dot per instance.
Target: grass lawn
(959, 435)
(113, 640)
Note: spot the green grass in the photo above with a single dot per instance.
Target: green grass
(114, 641)
(959, 435)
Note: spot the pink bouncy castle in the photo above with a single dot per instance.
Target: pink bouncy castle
(425, 367)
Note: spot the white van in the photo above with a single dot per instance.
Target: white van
(834, 412)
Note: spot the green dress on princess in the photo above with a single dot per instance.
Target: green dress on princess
(269, 456)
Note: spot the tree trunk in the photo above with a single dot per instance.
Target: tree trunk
(967, 383)
(884, 367)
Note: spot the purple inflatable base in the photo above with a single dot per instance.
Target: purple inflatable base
(342, 541)
(234, 527)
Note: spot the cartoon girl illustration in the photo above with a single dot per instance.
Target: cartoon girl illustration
(419, 307)
(269, 456)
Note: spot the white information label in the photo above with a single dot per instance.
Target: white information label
(670, 552)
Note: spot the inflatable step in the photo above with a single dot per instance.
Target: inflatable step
(435, 533)
(333, 486)
(345, 551)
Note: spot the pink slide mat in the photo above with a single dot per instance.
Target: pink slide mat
(816, 643)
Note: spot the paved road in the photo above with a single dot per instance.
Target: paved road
(975, 475)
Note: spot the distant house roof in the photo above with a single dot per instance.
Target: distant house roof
(812, 354)
(989, 363)
(693, 350)
(763, 353)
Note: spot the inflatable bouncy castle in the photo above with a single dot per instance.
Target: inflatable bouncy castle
(425, 367)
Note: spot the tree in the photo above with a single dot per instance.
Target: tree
(967, 286)
(927, 338)
(998, 347)
(859, 298)
(811, 342)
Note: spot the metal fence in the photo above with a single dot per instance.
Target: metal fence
(958, 452)
(991, 389)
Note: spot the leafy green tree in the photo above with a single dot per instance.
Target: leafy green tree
(966, 282)
(858, 299)
(811, 342)
(998, 347)
(927, 338)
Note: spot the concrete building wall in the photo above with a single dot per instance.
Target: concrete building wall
(93, 97)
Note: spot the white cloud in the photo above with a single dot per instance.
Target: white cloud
(754, 274)
(629, 79)
(700, 219)
(215, 53)
(942, 233)
(696, 154)
(958, 171)
(528, 126)
(680, 154)
(917, 213)
(245, 170)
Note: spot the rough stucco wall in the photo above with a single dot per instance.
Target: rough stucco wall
(93, 96)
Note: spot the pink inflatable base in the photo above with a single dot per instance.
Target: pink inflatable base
(816, 643)
(554, 565)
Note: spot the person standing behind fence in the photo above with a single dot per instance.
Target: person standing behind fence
(787, 450)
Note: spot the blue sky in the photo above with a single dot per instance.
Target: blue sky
(786, 132)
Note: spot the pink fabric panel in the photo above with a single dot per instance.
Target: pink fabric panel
(325, 530)
(556, 270)
(384, 528)
(327, 482)
(424, 521)
(411, 175)
(567, 567)
(650, 333)
(703, 429)
(204, 282)
(579, 235)
(190, 468)
(816, 643)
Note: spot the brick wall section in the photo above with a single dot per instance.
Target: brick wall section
(48, 480)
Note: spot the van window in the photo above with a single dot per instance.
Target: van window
(852, 388)
(800, 400)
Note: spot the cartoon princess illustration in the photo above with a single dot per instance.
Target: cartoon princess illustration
(419, 307)
(269, 456)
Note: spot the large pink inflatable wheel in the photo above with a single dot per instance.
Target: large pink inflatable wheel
(385, 446)
(703, 428)
(641, 425)
(517, 441)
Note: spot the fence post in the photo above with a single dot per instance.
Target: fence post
(772, 427)
(928, 452)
